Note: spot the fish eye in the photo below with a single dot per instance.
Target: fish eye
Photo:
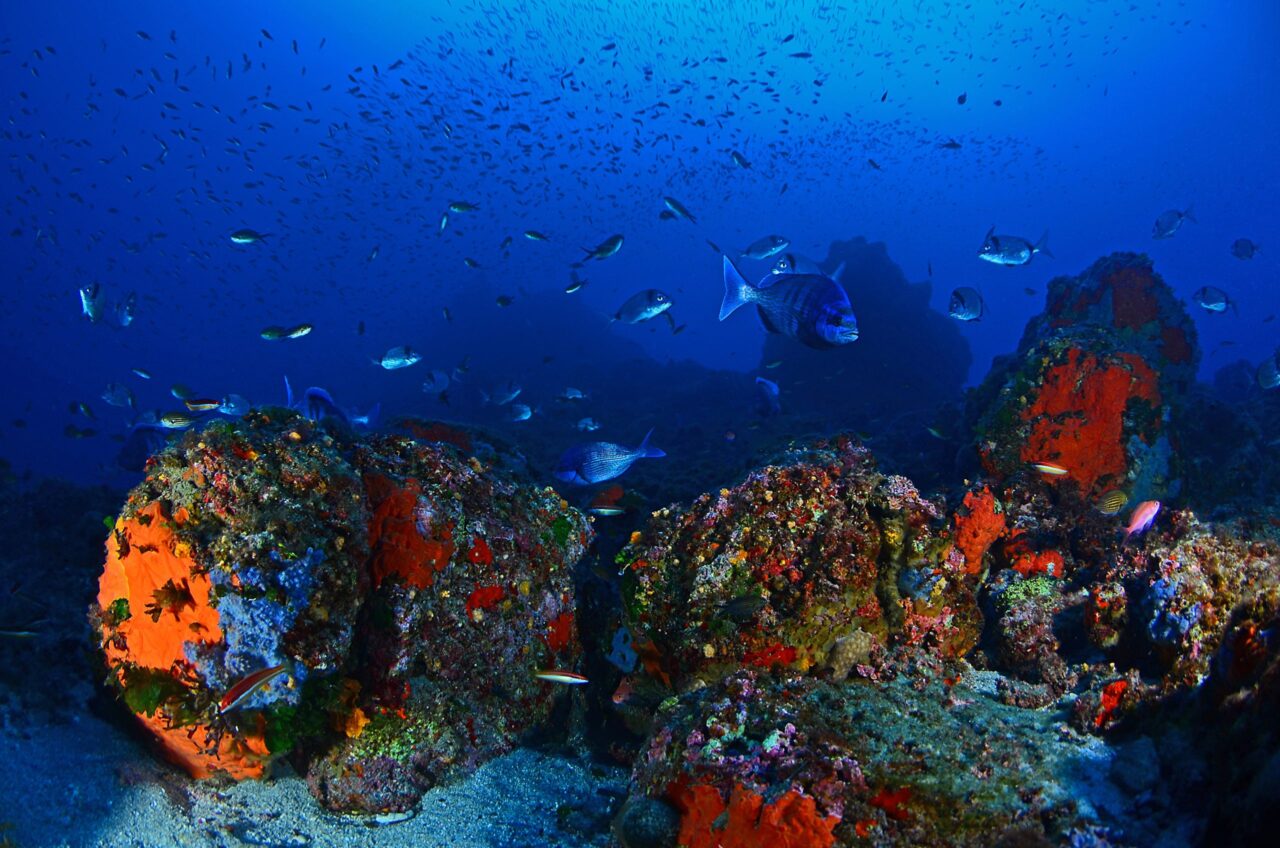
(660, 298)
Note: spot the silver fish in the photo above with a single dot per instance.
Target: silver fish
(678, 209)
(763, 248)
(1169, 222)
(399, 357)
(437, 381)
(768, 390)
(127, 310)
(1244, 248)
(1269, 372)
(604, 249)
(642, 306)
(118, 394)
(502, 395)
(247, 236)
(1213, 299)
(233, 405)
(966, 304)
(91, 302)
(1011, 250)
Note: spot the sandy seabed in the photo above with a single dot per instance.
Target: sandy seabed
(84, 783)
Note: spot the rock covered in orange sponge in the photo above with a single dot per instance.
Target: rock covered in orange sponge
(760, 759)
(154, 601)
(979, 522)
(242, 550)
(1122, 292)
(1096, 415)
(276, 584)
(1091, 390)
(745, 820)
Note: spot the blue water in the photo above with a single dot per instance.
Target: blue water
(1084, 119)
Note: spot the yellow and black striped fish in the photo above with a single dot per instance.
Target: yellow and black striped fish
(1111, 502)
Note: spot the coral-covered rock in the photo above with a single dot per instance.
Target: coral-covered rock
(1180, 603)
(472, 593)
(1123, 293)
(1093, 384)
(397, 596)
(979, 522)
(758, 760)
(784, 567)
(242, 550)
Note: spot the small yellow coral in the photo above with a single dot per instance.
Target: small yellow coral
(355, 723)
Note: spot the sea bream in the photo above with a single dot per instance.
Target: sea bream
(1011, 250)
(604, 249)
(766, 246)
(677, 209)
(794, 263)
(642, 306)
(126, 310)
(1213, 299)
(595, 462)
(1170, 221)
(810, 308)
(247, 236)
(1243, 248)
(399, 357)
(91, 303)
(965, 304)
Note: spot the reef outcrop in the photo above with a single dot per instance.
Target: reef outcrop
(791, 568)
(1093, 385)
(395, 597)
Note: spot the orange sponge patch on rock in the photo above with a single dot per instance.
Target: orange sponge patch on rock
(1077, 419)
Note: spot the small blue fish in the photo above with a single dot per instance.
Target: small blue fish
(642, 306)
(766, 246)
(317, 404)
(1244, 248)
(810, 308)
(595, 462)
(502, 395)
(965, 304)
(233, 405)
(1170, 221)
(769, 403)
(1213, 299)
(127, 310)
(622, 654)
(399, 357)
(794, 263)
(118, 394)
(91, 302)
(1011, 250)
(247, 236)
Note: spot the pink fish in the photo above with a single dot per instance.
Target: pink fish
(1143, 516)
